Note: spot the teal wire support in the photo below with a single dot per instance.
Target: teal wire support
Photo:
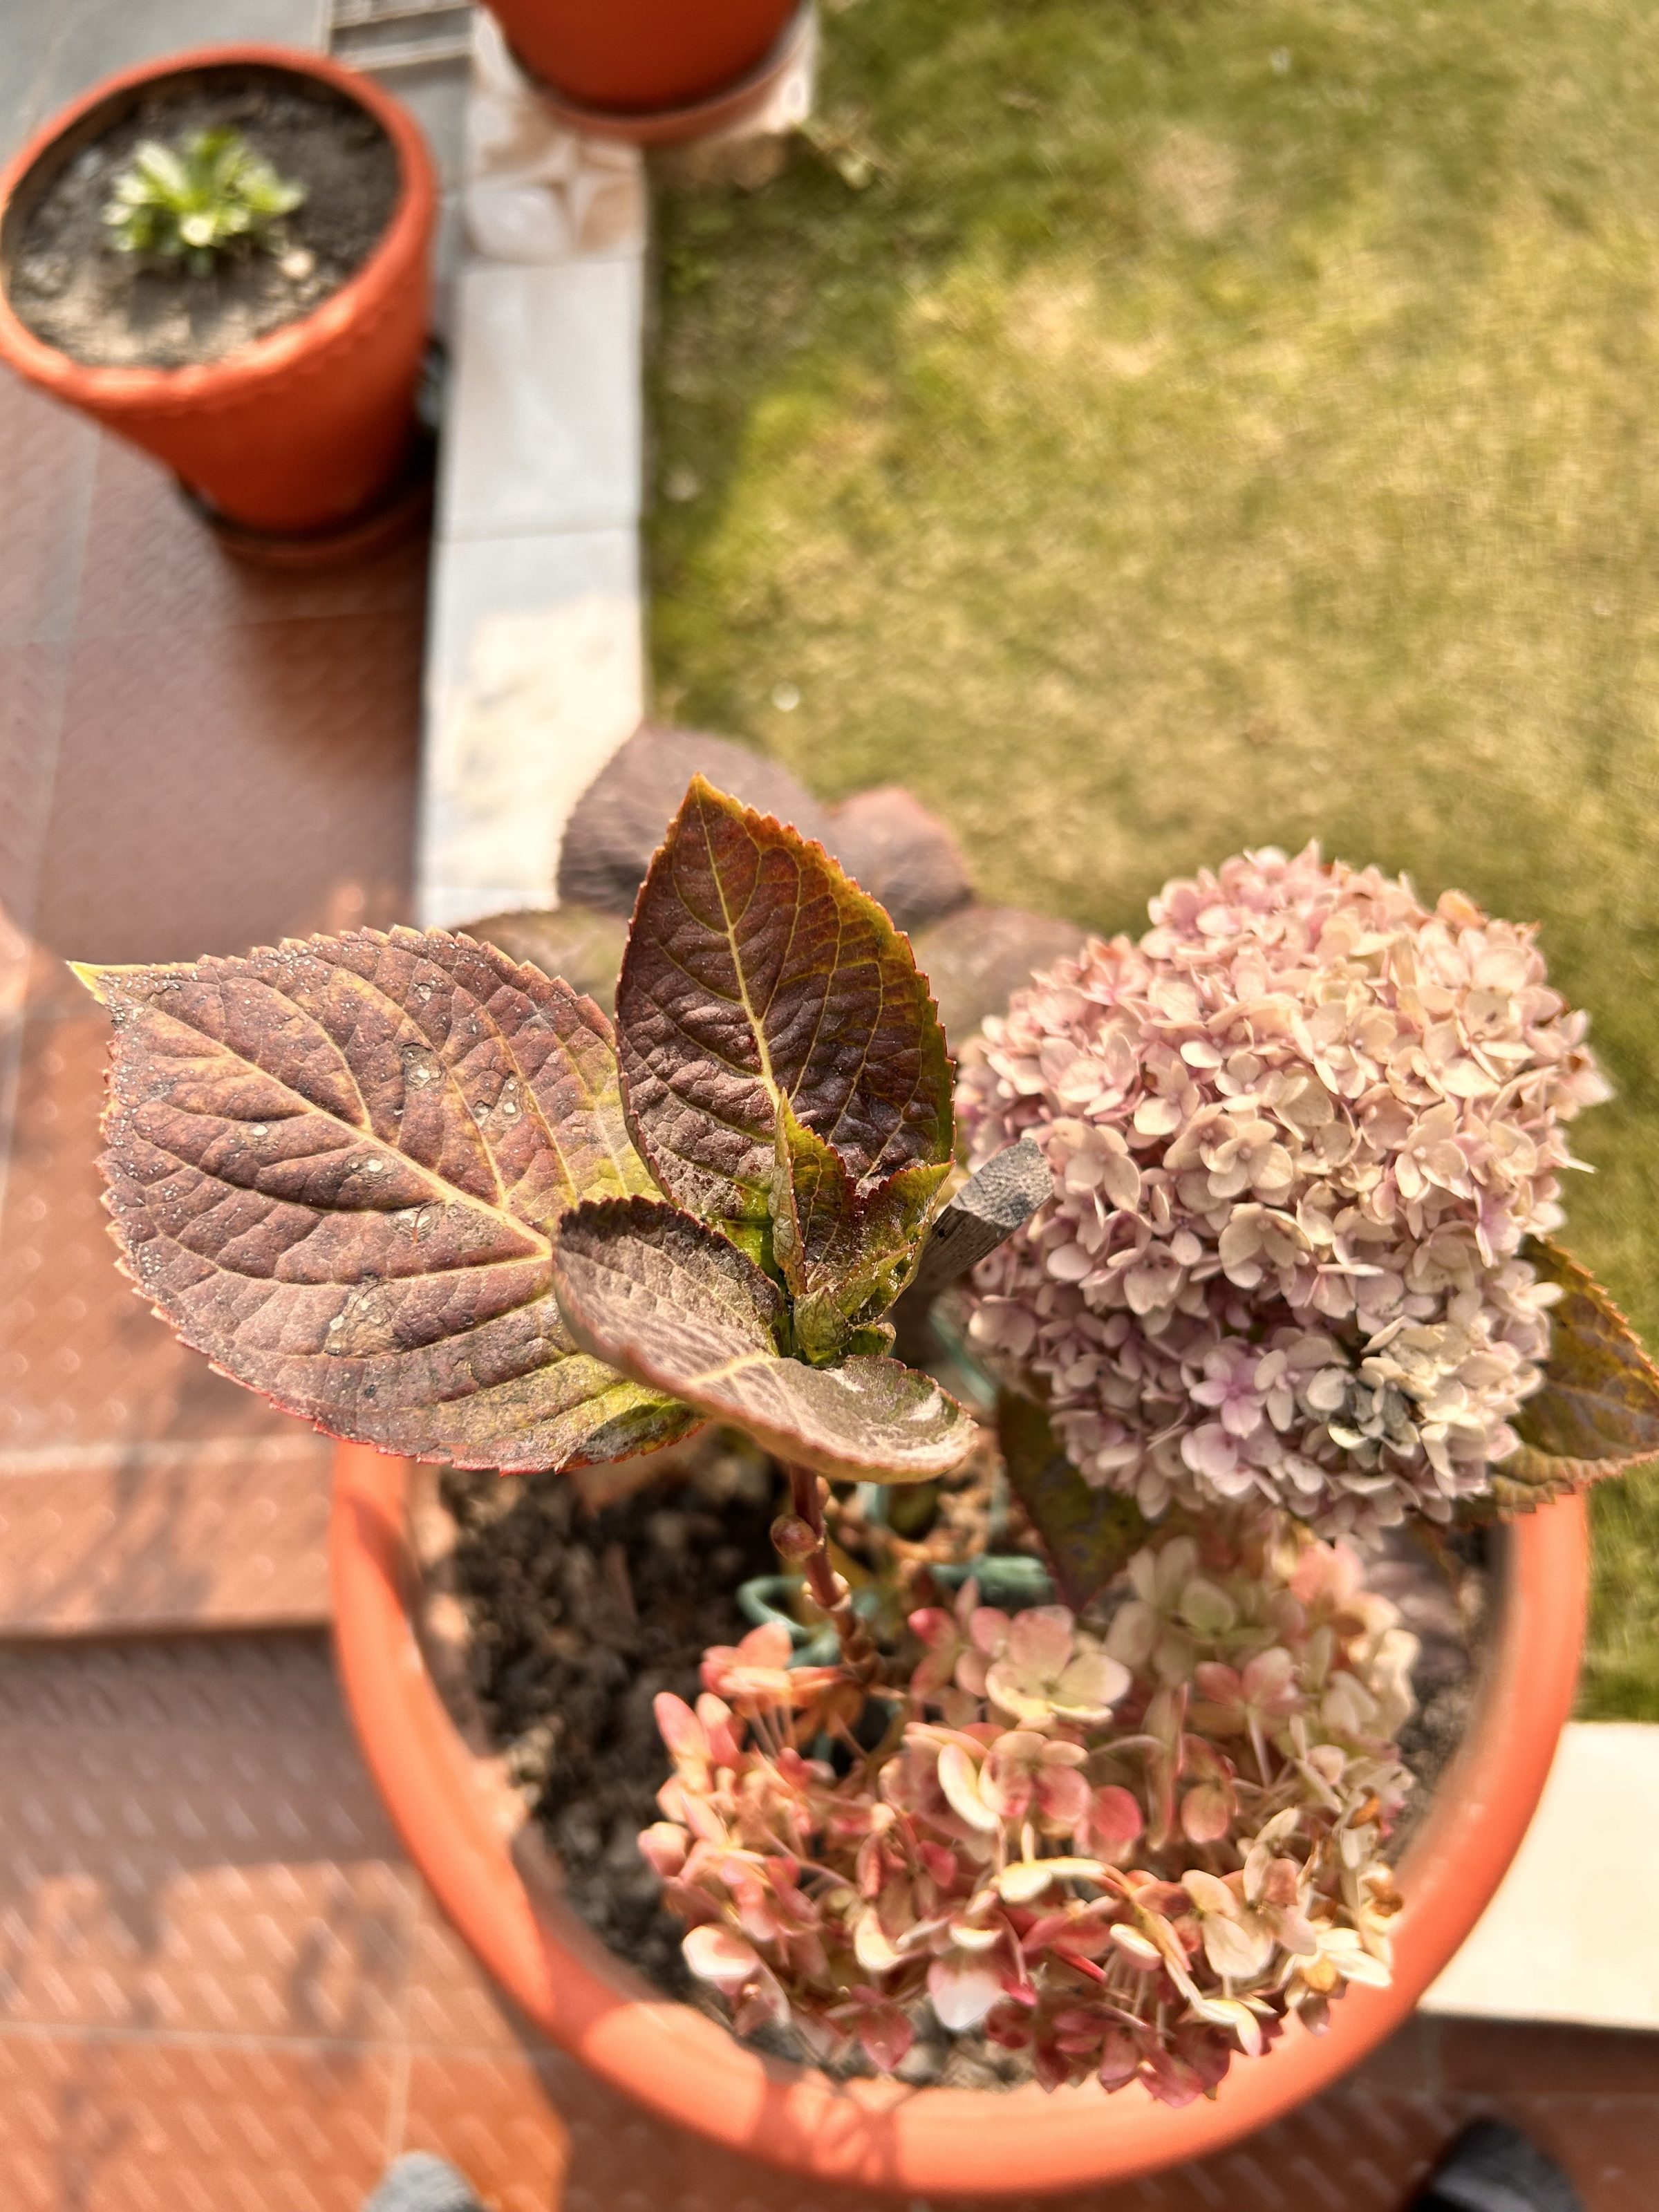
(1012, 1580)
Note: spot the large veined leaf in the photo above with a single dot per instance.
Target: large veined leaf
(1088, 1535)
(758, 976)
(1598, 1410)
(671, 1303)
(337, 1168)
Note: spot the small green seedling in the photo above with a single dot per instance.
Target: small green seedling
(200, 201)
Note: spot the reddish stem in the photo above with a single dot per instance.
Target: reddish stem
(831, 1591)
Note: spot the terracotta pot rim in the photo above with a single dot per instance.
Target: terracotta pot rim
(304, 345)
(693, 118)
(881, 2135)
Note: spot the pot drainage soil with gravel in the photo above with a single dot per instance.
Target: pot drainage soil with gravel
(69, 286)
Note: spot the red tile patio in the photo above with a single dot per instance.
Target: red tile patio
(222, 1987)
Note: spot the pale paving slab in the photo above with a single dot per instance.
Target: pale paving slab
(536, 669)
(1573, 1933)
(535, 656)
(50, 49)
(535, 191)
(544, 425)
(535, 675)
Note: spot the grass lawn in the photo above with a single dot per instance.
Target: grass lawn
(1147, 429)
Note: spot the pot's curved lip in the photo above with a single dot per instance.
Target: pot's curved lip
(883, 2135)
(267, 359)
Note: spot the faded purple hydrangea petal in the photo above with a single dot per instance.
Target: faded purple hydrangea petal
(1300, 1134)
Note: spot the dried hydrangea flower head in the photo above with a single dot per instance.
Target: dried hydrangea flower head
(1130, 1858)
(1298, 1135)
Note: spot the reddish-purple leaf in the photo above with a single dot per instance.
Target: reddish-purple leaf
(337, 1168)
(1598, 1410)
(758, 974)
(674, 1305)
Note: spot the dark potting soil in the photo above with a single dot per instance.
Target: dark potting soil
(577, 1621)
(578, 1618)
(70, 287)
(1445, 1602)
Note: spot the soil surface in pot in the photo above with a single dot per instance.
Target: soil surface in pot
(577, 1619)
(69, 286)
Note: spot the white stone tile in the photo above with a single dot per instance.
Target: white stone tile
(543, 429)
(535, 191)
(535, 675)
(92, 39)
(1573, 1933)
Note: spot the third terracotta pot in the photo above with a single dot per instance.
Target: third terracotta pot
(652, 71)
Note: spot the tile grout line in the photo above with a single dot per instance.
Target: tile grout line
(119, 1458)
(372, 2045)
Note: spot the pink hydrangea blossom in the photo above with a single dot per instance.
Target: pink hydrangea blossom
(1300, 1134)
(1130, 1858)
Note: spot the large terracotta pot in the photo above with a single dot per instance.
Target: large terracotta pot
(651, 71)
(304, 430)
(880, 2134)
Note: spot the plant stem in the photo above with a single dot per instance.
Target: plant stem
(830, 1592)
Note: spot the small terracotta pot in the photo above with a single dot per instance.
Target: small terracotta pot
(650, 70)
(928, 2143)
(304, 430)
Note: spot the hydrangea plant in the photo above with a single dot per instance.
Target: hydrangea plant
(1290, 1271)
(197, 201)
(1130, 1858)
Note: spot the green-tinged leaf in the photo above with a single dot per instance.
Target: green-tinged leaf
(1088, 1535)
(1598, 1410)
(845, 1252)
(674, 1305)
(758, 974)
(337, 1168)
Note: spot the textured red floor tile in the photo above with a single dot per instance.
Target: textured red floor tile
(1524, 2058)
(16, 955)
(451, 2003)
(492, 2116)
(151, 567)
(232, 786)
(47, 458)
(1610, 2146)
(32, 682)
(188, 1844)
(83, 1362)
(96, 2125)
(172, 1537)
(1409, 2062)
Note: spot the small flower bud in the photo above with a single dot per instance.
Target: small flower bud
(794, 1538)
